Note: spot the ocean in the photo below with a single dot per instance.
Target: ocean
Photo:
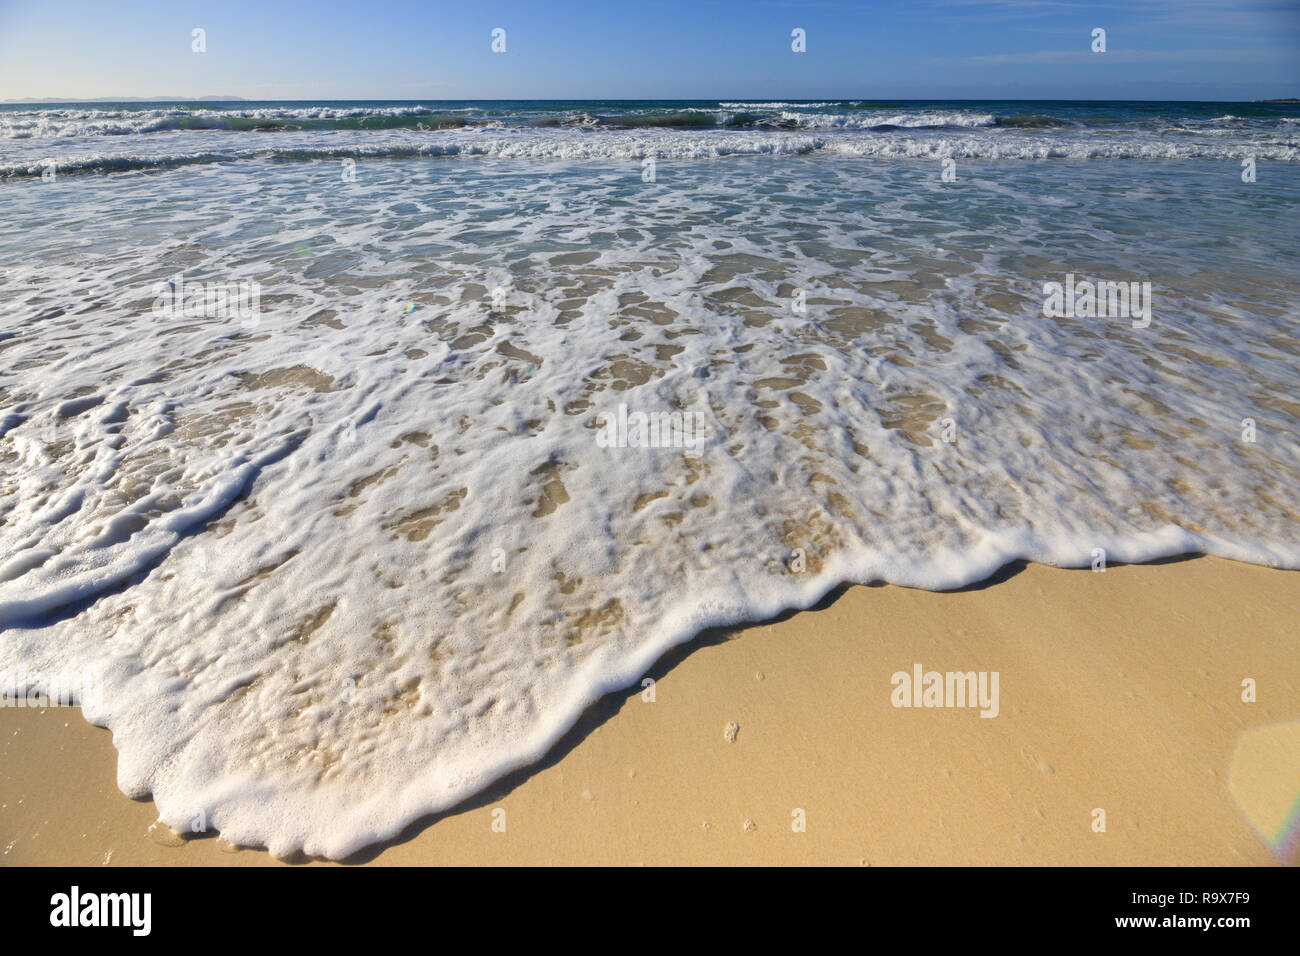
(348, 451)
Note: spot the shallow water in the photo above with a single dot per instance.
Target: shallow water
(347, 560)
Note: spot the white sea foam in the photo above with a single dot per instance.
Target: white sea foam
(921, 119)
(349, 566)
(776, 105)
(183, 148)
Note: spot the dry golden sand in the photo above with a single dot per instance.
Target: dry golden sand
(1119, 691)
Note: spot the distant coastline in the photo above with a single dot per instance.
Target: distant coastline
(131, 99)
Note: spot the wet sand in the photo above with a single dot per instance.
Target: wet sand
(1118, 691)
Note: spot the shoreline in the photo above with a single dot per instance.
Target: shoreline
(1118, 691)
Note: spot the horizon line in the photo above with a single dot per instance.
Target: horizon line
(52, 100)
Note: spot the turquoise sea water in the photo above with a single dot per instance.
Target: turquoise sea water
(101, 136)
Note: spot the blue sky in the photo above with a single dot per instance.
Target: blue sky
(329, 49)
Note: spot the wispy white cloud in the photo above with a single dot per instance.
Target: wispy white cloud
(1184, 14)
(1112, 56)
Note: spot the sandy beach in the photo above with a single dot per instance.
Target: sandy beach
(1120, 691)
